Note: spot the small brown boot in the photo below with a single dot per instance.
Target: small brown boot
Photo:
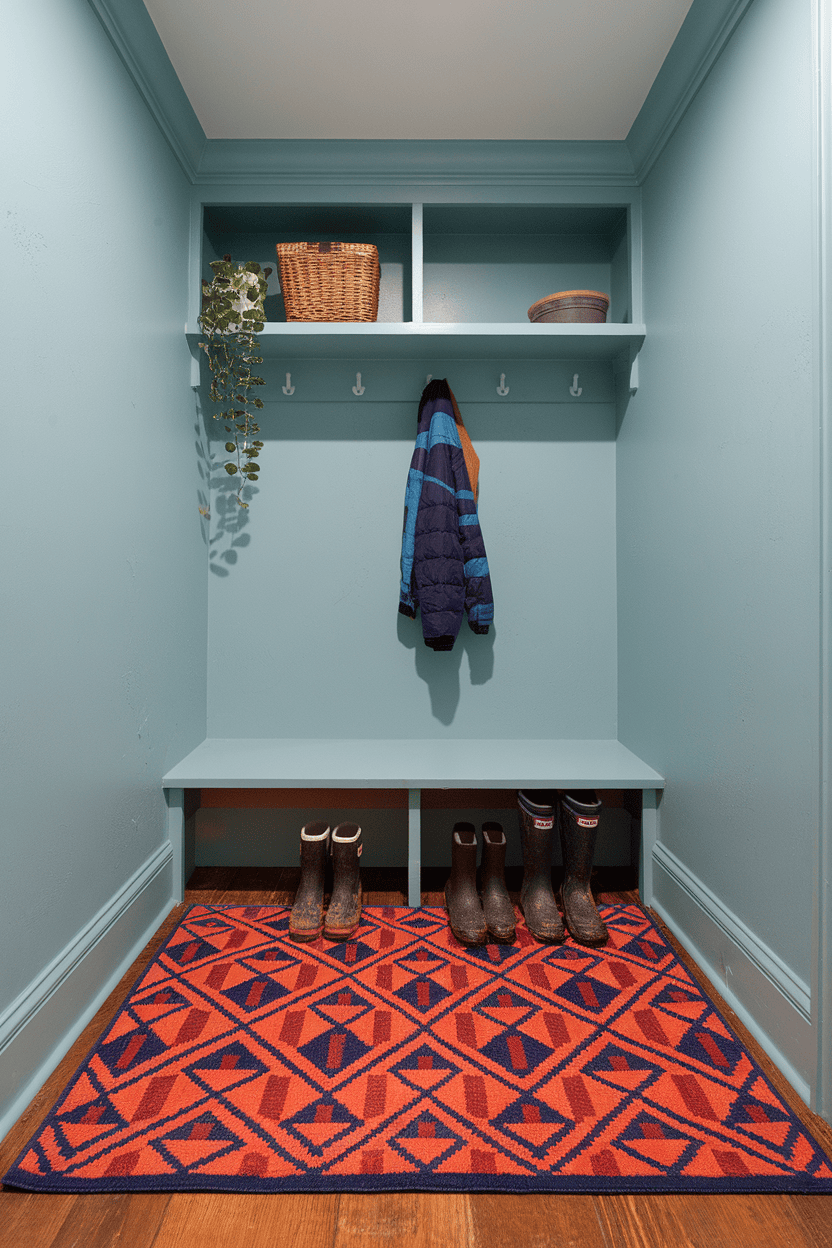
(344, 913)
(465, 914)
(537, 898)
(307, 919)
(579, 813)
(496, 903)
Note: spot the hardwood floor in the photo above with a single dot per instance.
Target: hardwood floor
(422, 1220)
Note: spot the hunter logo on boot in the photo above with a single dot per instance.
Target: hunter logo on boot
(586, 823)
(545, 825)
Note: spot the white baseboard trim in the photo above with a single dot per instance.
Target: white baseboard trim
(43, 1022)
(770, 1000)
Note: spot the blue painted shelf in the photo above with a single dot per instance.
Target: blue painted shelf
(435, 341)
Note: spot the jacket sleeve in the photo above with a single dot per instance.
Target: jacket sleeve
(479, 600)
(438, 562)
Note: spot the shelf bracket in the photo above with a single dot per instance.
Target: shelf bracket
(195, 369)
(414, 848)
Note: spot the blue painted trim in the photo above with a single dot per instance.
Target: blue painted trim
(703, 35)
(131, 31)
(414, 848)
(45, 1020)
(793, 988)
(175, 799)
(414, 162)
(772, 1002)
(822, 930)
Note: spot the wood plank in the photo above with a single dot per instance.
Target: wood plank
(229, 1220)
(30, 1218)
(418, 1219)
(537, 1221)
(129, 1219)
(693, 1221)
(814, 1214)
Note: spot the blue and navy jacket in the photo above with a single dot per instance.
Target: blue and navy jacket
(444, 567)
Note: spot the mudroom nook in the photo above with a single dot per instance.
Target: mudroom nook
(190, 681)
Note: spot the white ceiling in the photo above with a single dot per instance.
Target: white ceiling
(417, 69)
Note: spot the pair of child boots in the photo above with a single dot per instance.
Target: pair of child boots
(317, 846)
(576, 814)
(473, 918)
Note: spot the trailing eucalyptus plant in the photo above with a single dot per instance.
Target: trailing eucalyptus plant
(232, 316)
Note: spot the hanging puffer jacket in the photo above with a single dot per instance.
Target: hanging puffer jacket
(444, 567)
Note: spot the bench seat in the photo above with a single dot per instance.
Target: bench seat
(412, 764)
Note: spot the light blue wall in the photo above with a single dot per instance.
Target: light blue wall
(310, 589)
(718, 524)
(104, 562)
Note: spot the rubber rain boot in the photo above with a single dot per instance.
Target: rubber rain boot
(579, 814)
(344, 913)
(462, 901)
(496, 903)
(537, 831)
(307, 918)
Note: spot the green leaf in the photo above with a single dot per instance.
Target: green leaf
(252, 476)
(230, 446)
(231, 469)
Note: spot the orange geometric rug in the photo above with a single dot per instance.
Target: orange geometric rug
(403, 1061)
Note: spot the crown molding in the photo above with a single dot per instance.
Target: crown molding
(415, 162)
(130, 29)
(410, 163)
(701, 39)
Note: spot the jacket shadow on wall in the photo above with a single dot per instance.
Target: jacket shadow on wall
(441, 669)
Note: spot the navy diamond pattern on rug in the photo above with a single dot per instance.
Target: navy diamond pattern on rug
(404, 1061)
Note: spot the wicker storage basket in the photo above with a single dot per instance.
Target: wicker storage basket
(583, 307)
(329, 281)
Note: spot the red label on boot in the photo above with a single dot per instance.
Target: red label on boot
(545, 825)
(586, 823)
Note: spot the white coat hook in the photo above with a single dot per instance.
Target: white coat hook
(575, 389)
(358, 388)
(288, 388)
(429, 378)
(502, 388)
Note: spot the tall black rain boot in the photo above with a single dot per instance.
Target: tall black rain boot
(465, 914)
(537, 899)
(579, 814)
(307, 918)
(344, 913)
(496, 903)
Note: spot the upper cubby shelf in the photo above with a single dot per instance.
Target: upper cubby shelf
(457, 280)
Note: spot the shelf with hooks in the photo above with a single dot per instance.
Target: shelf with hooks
(497, 363)
(438, 341)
